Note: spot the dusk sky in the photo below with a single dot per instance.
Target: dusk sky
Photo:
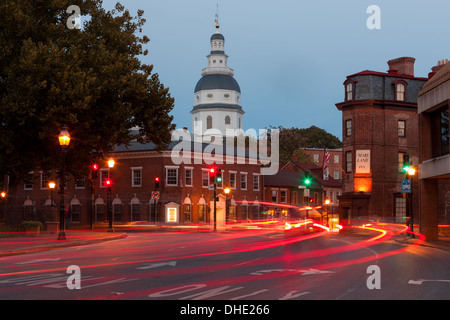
(290, 57)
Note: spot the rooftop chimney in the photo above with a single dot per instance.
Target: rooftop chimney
(437, 67)
(403, 65)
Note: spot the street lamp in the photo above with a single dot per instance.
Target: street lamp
(111, 164)
(52, 186)
(64, 140)
(227, 192)
(411, 174)
(3, 195)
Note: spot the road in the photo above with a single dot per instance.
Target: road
(257, 265)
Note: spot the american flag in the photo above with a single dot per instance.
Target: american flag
(326, 158)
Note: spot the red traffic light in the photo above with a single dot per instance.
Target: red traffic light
(108, 182)
(212, 170)
(95, 166)
(157, 179)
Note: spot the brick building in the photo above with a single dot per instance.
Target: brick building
(335, 169)
(184, 196)
(380, 126)
(434, 168)
(289, 195)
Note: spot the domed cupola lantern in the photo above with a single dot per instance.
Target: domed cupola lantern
(217, 95)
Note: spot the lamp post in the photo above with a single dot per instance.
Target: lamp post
(327, 202)
(3, 195)
(227, 192)
(411, 173)
(111, 164)
(64, 140)
(52, 186)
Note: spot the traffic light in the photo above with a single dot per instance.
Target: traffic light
(108, 182)
(94, 168)
(406, 164)
(157, 183)
(307, 180)
(218, 176)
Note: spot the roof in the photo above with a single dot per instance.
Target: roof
(135, 146)
(217, 81)
(439, 78)
(217, 36)
(218, 106)
(384, 74)
(285, 178)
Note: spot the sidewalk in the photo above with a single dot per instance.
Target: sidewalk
(16, 245)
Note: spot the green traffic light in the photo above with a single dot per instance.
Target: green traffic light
(307, 181)
(219, 179)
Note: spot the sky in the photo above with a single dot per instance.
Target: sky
(290, 57)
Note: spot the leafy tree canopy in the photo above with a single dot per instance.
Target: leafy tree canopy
(293, 140)
(90, 79)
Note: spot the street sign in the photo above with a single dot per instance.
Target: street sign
(406, 186)
(155, 195)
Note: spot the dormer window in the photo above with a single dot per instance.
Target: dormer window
(400, 90)
(350, 89)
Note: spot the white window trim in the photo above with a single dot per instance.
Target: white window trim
(133, 169)
(177, 175)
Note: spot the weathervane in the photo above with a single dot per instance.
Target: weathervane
(217, 18)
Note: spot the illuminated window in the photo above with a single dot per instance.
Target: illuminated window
(172, 215)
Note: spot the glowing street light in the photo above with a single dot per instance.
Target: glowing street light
(64, 140)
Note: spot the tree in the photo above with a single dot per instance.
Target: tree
(293, 140)
(90, 79)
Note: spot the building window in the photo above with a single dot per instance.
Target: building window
(232, 180)
(336, 158)
(316, 157)
(104, 175)
(348, 128)
(227, 120)
(336, 175)
(348, 162)
(400, 161)
(440, 131)
(274, 196)
(256, 182)
(243, 181)
(45, 179)
(136, 177)
(28, 181)
(80, 182)
(349, 91)
(205, 178)
(171, 176)
(283, 197)
(209, 122)
(401, 125)
(188, 177)
(400, 92)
